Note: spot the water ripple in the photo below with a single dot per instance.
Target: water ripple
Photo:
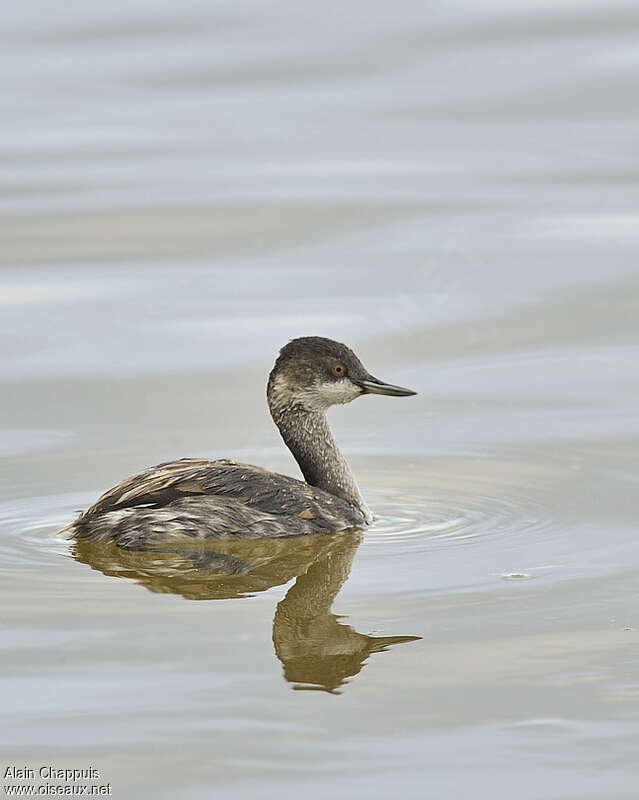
(450, 518)
(29, 526)
(406, 521)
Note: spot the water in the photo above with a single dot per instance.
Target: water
(450, 189)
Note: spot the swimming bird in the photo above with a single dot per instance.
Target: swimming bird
(196, 498)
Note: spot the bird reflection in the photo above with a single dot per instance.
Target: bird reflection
(316, 650)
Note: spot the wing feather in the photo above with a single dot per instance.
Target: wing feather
(269, 492)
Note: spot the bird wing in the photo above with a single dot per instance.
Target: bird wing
(257, 488)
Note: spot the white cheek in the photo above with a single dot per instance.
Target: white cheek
(334, 392)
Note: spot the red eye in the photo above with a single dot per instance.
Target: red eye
(338, 370)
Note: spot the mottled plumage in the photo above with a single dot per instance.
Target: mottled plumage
(203, 499)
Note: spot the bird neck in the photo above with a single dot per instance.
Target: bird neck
(309, 438)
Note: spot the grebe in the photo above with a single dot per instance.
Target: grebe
(196, 498)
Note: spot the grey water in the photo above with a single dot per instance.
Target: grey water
(450, 188)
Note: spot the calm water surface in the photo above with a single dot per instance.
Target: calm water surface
(453, 191)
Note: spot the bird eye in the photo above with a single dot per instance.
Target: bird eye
(338, 370)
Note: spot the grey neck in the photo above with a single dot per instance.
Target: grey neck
(308, 436)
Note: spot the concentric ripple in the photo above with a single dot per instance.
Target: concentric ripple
(29, 527)
(411, 522)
